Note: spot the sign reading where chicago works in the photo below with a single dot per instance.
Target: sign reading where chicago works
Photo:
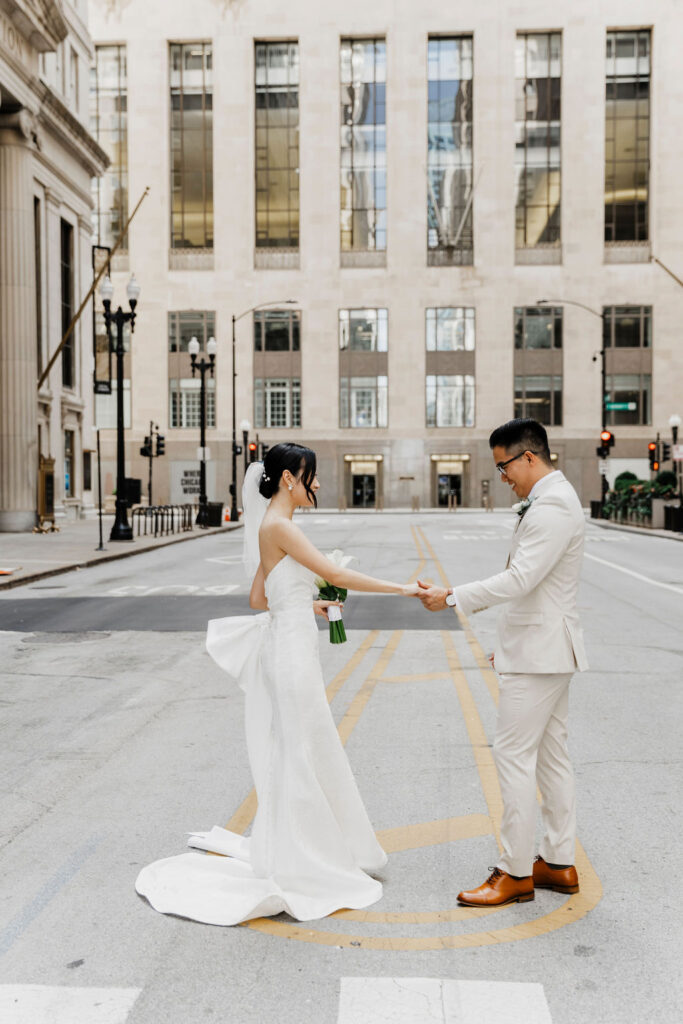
(185, 482)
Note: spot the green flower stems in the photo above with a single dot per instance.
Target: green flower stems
(332, 593)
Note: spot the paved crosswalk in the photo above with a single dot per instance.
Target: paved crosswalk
(361, 1001)
(433, 1001)
(58, 1004)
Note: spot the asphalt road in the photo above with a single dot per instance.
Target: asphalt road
(119, 735)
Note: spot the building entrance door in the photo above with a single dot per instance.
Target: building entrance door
(364, 490)
(449, 484)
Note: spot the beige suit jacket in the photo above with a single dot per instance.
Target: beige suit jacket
(539, 631)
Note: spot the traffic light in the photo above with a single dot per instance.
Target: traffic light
(252, 451)
(238, 449)
(161, 444)
(146, 449)
(264, 449)
(666, 451)
(652, 455)
(606, 442)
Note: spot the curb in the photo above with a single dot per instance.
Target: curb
(643, 531)
(113, 557)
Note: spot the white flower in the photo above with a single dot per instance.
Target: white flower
(520, 507)
(340, 559)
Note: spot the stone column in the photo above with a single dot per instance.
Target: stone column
(18, 359)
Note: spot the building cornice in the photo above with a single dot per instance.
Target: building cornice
(54, 116)
(41, 22)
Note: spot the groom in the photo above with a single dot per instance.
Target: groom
(539, 648)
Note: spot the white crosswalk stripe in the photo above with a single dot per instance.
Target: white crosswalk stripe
(433, 1001)
(57, 1004)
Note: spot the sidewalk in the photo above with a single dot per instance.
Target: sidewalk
(34, 556)
(644, 531)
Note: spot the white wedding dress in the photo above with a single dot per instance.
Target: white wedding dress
(312, 842)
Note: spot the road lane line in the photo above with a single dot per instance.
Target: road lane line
(57, 1004)
(636, 575)
(15, 928)
(433, 1001)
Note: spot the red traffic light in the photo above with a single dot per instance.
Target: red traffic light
(606, 436)
(652, 446)
(252, 446)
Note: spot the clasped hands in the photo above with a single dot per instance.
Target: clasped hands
(433, 598)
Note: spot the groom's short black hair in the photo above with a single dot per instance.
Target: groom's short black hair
(523, 435)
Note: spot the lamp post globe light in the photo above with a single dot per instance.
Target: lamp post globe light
(121, 530)
(202, 365)
(233, 486)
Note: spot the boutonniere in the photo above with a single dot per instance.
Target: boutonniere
(520, 507)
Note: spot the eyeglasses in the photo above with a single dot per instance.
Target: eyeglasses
(500, 466)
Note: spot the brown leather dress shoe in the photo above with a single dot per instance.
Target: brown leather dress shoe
(557, 879)
(499, 889)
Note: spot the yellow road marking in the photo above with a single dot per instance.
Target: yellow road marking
(420, 677)
(359, 702)
(483, 755)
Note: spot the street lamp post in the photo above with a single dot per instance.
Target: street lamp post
(203, 365)
(233, 485)
(121, 530)
(603, 369)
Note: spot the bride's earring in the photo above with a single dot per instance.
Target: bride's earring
(291, 487)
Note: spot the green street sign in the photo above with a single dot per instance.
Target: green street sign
(620, 406)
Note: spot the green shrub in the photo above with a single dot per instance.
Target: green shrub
(625, 480)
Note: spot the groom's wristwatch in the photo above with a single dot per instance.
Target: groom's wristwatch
(450, 598)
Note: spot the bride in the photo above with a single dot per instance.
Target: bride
(312, 849)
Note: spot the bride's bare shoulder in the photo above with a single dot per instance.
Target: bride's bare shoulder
(276, 528)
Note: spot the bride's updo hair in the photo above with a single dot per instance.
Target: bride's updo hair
(293, 457)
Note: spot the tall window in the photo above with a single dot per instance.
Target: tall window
(633, 393)
(363, 401)
(109, 125)
(363, 145)
(450, 329)
(538, 327)
(191, 146)
(537, 144)
(277, 145)
(538, 363)
(628, 326)
(69, 482)
(67, 296)
(277, 402)
(627, 136)
(449, 150)
(363, 330)
(184, 389)
(363, 380)
(539, 397)
(450, 400)
(277, 368)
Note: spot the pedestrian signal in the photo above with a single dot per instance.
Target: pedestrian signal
(146, 449)
(652, 455)
(161, 444)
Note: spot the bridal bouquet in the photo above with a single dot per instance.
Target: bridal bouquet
(328, 592)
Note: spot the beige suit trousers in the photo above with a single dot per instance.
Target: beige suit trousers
(530, 748)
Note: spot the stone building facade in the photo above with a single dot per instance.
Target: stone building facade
(47, 161)
(416, 178)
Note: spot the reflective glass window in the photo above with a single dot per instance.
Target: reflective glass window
(449, 146)
(191, 145)
(109, 125)
(627, 136)
(363, 145)
(537, 142)
(277, 144)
